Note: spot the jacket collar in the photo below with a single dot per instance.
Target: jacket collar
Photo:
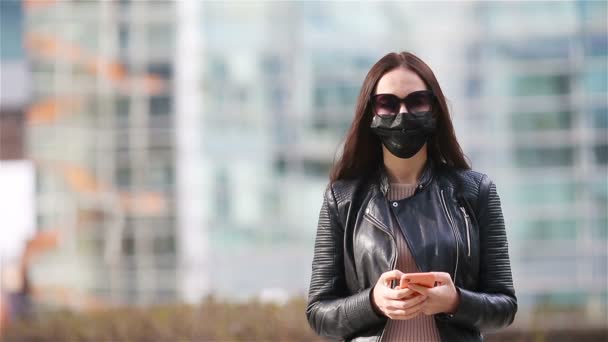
(378, 207)
(425, 178)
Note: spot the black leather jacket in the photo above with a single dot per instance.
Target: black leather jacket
(453, 223)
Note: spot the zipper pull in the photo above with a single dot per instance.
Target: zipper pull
(466, 222)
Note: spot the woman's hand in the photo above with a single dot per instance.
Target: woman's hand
(396, 303)
(441, 298)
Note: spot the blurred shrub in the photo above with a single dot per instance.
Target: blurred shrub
(210, 321)
(223, 321)
(554, 335)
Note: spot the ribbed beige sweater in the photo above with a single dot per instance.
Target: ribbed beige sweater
(421, 327)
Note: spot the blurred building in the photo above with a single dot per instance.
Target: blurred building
(100, 133)
(182, 148)
(536, 106)
(528, 100)
(278, 86)
(14, 81)
(17, 177)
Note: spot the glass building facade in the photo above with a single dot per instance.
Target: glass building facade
(537, 104)
(99, 128)
(183, 147)
(528, 100)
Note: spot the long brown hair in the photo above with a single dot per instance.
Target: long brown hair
(362, 152)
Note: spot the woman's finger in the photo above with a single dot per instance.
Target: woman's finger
(404, 304)
(405, 293)
(390, 275)
(394, 305)
(408, 313)
(399, 293)
(420, 289)
(408, 303)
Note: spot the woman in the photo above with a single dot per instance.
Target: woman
(402, 199)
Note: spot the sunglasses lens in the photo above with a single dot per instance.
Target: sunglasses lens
(419, 102)
(386, 104)
(390, 104)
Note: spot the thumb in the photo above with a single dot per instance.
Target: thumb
(391, 275)
(442, 277)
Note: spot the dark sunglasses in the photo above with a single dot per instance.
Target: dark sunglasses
(415, 102)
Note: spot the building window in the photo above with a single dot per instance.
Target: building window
(541, 121)
(599, 117)
(544, 157)
(123, 104)
(558, 229)
(11, 30)
(124, 37)
(545, 193)
(316, 168)
(599, 228)
(596, 45)
(123, 178)
(160, 37)
(222, 194)
(128, 242)
(164, 245)
(160, 106)
(595, 80)
(160, 177)
(271, 65)
(162, 70)
(535, 49)
(473, 87)
(601, 154)
(534, 85)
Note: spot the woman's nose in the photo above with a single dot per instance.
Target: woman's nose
(402, 108)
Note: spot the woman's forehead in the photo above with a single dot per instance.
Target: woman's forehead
(399, 81)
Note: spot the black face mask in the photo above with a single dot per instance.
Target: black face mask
(404, 134)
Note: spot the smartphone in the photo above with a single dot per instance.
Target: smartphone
(425, 279)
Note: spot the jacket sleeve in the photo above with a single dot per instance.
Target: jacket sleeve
(494, 305)
(332, 311)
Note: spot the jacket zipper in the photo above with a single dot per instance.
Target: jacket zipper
(451, 222)
(466, 222)
(384, 228)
